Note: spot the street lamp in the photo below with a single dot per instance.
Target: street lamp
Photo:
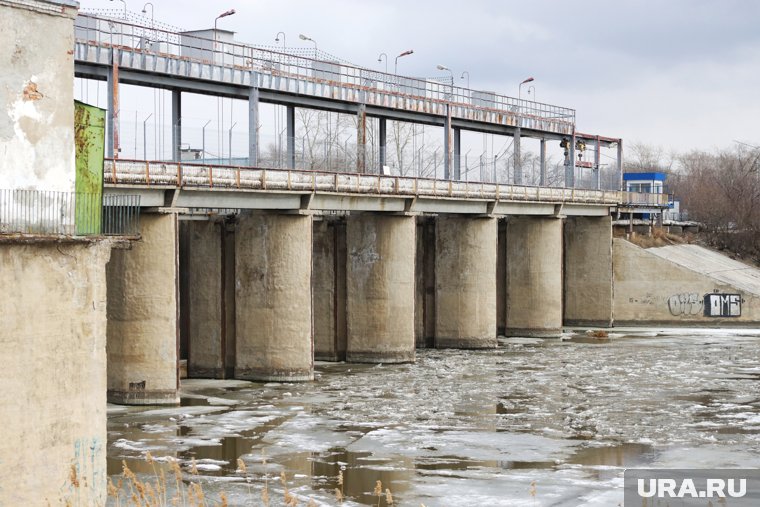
(222, 15)
(277, 38)
(443, 67)
(303, 37)
(380, 59)
(531, 87)
(468, 78)
(125, 8)
(519, 88)
(395, 64)
(144, 11)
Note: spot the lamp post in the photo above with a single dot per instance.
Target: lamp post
(519, 88)
(468, 78)
(144, 11)
(532, 94)
(303, 37)
(145, 137)
(125, 8)
(203, 140)
(405, 53)
(229, 144)
(222, 15)
(380, 59)
(443, 67)
(277, 39)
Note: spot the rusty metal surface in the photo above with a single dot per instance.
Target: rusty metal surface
(171, 174)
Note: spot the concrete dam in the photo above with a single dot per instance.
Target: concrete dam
(122, 276)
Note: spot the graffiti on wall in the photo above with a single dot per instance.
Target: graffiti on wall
(723, 305)
(685, 304)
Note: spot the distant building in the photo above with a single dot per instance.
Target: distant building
(647, 183)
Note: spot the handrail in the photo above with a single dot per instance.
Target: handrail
(121, 34)
(214, 177)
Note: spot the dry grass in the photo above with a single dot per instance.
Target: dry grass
(659, 237)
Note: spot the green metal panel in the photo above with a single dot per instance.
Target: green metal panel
(89, 141)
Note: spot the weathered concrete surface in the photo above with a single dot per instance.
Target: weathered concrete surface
(380, 282)
(424, 287)
(205, 325)
(53, 397)
(273, 292)
(668, 286)
(534, 276)
(329, 290)
(465, 297)
(501, 279)
(143, 316)
(588, 271)
(36, 96)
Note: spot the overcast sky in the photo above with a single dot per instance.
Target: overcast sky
(681, 74)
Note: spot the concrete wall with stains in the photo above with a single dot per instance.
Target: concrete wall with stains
(53, 377)
(37, 95)
(651, 290)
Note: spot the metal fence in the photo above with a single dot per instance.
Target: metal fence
(144, 45)
(51, 213)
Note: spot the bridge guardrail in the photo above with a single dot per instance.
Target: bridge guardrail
(644, 199)
(173, 174)
(148, 43)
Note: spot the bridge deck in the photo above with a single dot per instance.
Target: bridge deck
(227, 187)
(150, 56)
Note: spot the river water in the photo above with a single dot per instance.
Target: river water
(533, 423)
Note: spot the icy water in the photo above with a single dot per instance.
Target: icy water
(533, 423)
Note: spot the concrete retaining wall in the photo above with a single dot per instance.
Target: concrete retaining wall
(53, 378)
(652, 290)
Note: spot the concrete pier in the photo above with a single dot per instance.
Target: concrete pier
(273, 312)
(534, 276)
(588, 271)
(380, 296)
(329, 290)
(465, 282)
(53, 376)
(203, 309)
(143, 327)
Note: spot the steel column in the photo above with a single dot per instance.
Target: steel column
(518, 166)
(112, 114)
(457, 154)
(542, 154)
(620, 163)
(361, 139)
(253, 126)
(570, 164)
(290, 114)
(383, 134)
(176, 125)
(597, 156)
(447, 144)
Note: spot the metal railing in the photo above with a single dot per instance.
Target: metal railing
(181, 175)
(644, 199)
(52, 213)
(150, 42)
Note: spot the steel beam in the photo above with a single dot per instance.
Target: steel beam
(253, 127)
(597, 156)
(620, 164)
(112, 112)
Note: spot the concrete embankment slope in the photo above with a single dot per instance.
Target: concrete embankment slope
(682, 284)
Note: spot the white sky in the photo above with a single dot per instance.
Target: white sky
(681, 74)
